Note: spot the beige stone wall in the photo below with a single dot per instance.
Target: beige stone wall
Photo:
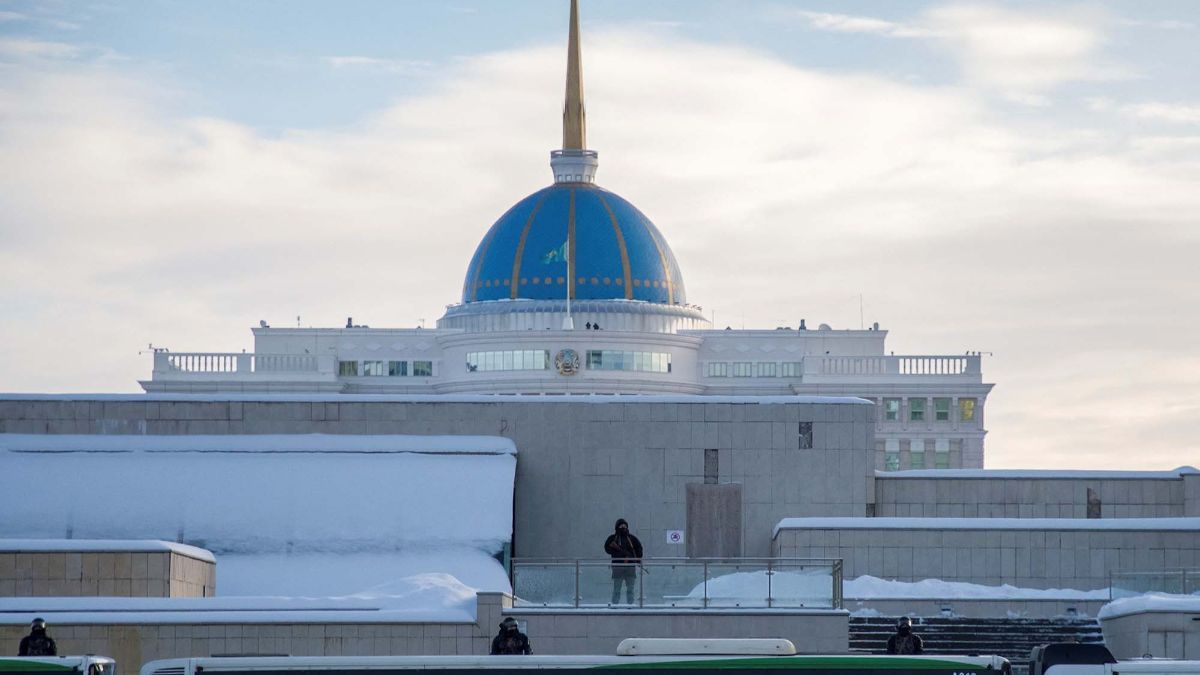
(1028, 558)
(550, 632)
(1148, 497)
(134, 574)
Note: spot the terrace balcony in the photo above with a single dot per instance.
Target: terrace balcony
(217, 367)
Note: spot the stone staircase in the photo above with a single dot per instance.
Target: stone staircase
(1010, 638)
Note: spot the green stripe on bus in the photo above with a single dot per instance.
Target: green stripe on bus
(7, 665)
(812, 662)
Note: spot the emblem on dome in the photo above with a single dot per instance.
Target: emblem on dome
(566, 362)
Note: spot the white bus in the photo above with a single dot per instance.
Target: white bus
(60, 665)
(708, 657)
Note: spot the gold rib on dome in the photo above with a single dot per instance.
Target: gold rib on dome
(574, 119)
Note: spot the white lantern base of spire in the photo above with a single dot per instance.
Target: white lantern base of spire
(574, 166)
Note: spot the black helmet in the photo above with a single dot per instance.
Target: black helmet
(38, 624)
(508, 622)
(904, 621)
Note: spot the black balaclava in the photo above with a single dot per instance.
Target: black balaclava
(38, 627)
(620, 522)
(904, 626)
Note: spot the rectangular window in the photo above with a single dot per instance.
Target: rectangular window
(718, 369)
(916, 454)
(891, 409)
(790, 369)
(766, 369)
(374, 368)
(941, 409)
(347, 368)
(916, 410)
(646, 362)
(397, 368)
(522, 359)
(742, 369)
(806, 435)
(966, 409)
(891, 454)
(941, 454)
(422, 368)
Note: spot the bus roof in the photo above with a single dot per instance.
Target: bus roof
(48, 664)
(802, 662)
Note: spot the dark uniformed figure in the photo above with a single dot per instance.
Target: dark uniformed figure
(626, 552)
(905, 641)
(37, 643)
(510, 639)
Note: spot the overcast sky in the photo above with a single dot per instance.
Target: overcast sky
(1017, 178)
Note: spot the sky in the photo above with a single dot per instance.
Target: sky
(1016, 178)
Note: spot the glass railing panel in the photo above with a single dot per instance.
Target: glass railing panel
(1127, 584)
(598, 585)
(543, 584)
(802, 585)
(673, 584)
(737, 584)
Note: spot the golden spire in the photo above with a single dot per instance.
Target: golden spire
(574, 119)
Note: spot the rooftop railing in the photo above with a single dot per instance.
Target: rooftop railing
(906, 368)
(1176, 581)
(218, 365)
(663, 583)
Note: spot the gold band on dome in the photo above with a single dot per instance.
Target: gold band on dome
(667, 278)
(516, 269)
(625, 271)
(571, 245)
(483, 251)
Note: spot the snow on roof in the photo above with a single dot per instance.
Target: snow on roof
(1151, 602)
(868, 587)
(431, 597)
(103, 545)
(261, 502)
(853, 523)
(1036, 473)
(331, 443)
(444, 398)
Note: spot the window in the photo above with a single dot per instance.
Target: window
(611, 359)
(941, 454)
(718, 369)
(522, 359)
(397, 368)
(374, 368)
(916, 454)
(941, 409)
(916, 410)
(766, 369)
(806, 435)
(742, 369)
(347, 368)
(891, 409)
(422, 368)
(891, 454)
(966, 409)
(790, 369)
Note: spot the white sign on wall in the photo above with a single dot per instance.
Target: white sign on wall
(674, 536)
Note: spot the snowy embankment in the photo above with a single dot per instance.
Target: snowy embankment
(816, 585)
(407, 525)
(1152, 602)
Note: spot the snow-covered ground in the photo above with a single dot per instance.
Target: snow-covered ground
(1152, 602)
(873, 588)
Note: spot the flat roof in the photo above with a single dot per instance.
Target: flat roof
(265, 443)
(1039, 524)
(441, 398)
(103, 546)
(1037, 474)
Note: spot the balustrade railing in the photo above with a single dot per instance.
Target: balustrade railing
(898, 366)
(659, 583)
(201, 364)
(1176, 581)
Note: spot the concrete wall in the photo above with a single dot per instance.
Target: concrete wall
(581, 465)
(1032, 558)
(977, 609)
(1027, 497)
(566, 632)
(1164, 635)
(105, 573)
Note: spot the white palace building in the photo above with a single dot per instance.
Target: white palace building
(575, 291)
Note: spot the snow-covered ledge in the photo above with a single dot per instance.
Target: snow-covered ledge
(105, 567)
(1155, 624)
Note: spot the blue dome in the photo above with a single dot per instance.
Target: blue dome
(616, 252)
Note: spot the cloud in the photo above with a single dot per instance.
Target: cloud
(1020, 53)
(406, 67)
(27, 48)
(1176, 113)
(785, 193)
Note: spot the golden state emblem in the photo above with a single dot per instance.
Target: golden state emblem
(566, 362)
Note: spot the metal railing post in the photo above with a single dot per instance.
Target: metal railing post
(769, 575)
(576, 583)
(705, 584)
(642, 586)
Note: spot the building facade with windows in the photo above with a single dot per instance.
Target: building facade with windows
(574, 290)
